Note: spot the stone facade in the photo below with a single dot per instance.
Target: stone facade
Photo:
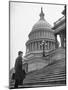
(60, 29)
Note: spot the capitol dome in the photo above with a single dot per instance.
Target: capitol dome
(42, 30)
(42, 23)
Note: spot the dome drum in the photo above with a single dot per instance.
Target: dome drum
(36, 45)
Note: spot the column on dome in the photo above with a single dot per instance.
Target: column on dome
(32, 46)
(54, 45)
(38, 45)
(29, 47)
(26, 49)
(35, 45)
(51, 46)
(48, 45)
(45, 45)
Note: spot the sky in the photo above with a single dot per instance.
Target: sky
(23, 16)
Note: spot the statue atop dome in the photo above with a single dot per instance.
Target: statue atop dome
(41, 14)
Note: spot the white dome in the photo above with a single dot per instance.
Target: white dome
(41, 24)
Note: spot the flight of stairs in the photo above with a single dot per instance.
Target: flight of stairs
(51, 75)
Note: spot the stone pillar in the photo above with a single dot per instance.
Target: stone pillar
(32, 46)
(29, 48)
(26, 49)
(48, 44)
(35, 45)
(51, 45)
(38, 45)
(62, 40)
(56, 42)
(54, 45)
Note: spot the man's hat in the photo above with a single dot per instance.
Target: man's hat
(20, 52)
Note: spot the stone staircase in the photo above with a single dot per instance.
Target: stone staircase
(52, 75)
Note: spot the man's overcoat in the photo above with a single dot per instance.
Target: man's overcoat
(19, 73)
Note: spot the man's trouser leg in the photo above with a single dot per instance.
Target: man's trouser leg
(16, 84)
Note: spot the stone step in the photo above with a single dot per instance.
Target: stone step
(44, 74)
(48, 70)
(44, 79)
(45, 83)
(42, 84)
